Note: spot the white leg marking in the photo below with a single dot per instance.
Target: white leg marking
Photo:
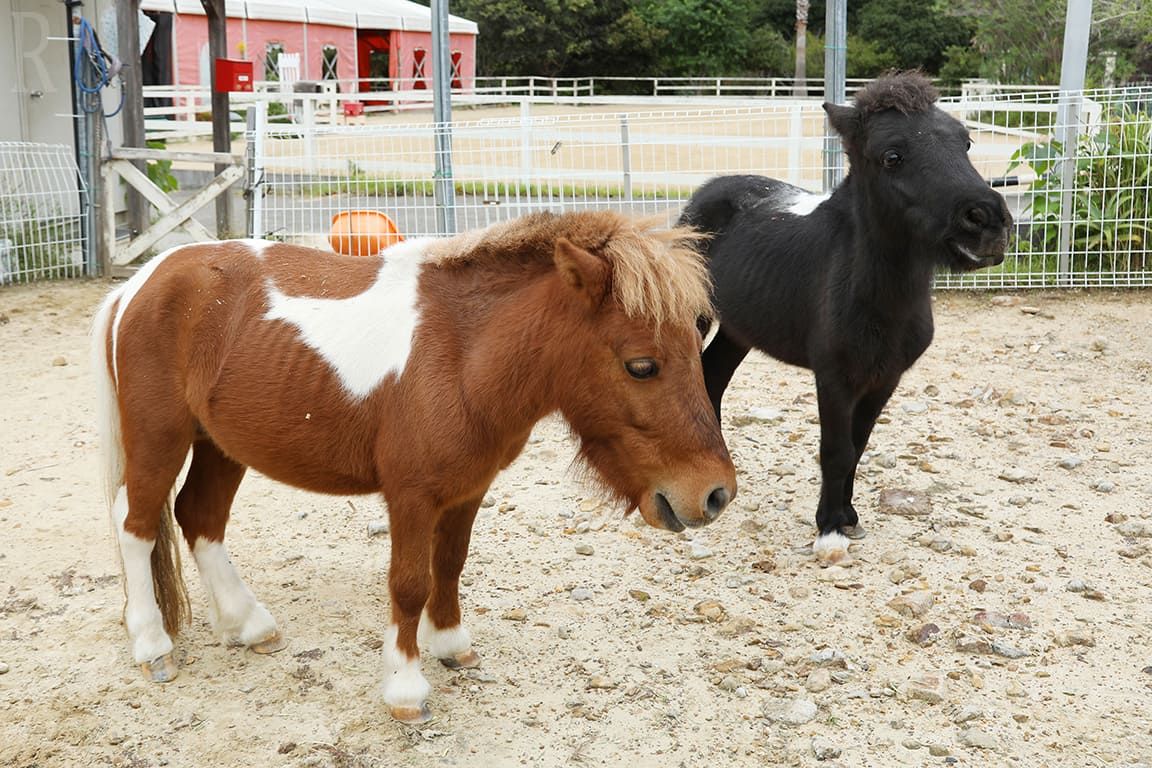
(404, 685)
(831, 547)
(444, 643)
(363, 338)
(141, 612)
(235, 614)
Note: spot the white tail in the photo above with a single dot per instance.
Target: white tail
(107, 408)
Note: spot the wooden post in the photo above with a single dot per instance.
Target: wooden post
(132, 116)
(221, 138)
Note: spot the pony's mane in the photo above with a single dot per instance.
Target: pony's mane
(908, 92)
(657, 274)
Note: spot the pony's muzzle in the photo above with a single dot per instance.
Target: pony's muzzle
(706, 511)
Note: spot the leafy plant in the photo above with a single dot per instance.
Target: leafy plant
(1111, 205)
(160, 171)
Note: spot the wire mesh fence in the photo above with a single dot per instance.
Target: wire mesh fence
(1075, 170)
(42, 209)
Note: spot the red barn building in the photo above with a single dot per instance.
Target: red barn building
(364, 44)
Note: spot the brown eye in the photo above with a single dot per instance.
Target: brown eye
(642, 368)
(892, 158)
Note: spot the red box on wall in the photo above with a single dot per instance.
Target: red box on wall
(233, 75)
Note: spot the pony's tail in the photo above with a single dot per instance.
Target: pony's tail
(167, 574)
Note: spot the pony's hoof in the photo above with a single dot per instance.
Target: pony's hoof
(271, 644)
(854, 532)
(161, 670)
(466, 660)
(411, 715)
(831, 548)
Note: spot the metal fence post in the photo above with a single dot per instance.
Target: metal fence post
(626, 157)
(257, 132)
(835, 63)
(1077, 24)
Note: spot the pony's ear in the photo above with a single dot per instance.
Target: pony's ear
(581, 270)
(845, 121)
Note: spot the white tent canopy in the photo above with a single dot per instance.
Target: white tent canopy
(359, 14)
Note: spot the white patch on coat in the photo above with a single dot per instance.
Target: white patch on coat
(442, 643)
(804, 203)
(233, 610)
(141, 612)
(404, 685)
(367, 337)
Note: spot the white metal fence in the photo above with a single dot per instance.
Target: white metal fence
(1076, 174)
(42, 210)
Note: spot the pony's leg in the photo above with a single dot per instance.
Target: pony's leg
(720, 360)
(440, 630)
(202, 508)
(141, 515)
(863, 420)
(837, 463)
(409, 584)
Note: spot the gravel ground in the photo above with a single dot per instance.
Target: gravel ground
(997, 614)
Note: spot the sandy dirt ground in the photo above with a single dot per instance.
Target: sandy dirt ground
(997, 614)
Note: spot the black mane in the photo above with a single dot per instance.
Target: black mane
(906, 91)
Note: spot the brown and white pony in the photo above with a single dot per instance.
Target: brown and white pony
(418, 374)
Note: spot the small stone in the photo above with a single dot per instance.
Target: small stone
(581, 593)
(1103, 486)
(939, 750)
(926, 688)
(818, 680)
(378, 527)
(913, 604)
(828, 657)
(639, 595)
(886, 460)
(1071, 462)
(3, 667)
(900, 501)
(515, 614)
(799, 592)
(1017, 475)
(699, 552)
(1074, 637)
(712, 610)
(1015, 690)
(116, 737)
(765, 414)
(798, 712)
(923, 635)
(1008, 651)
(824, 749)
(60, 362)
(973, 737)
(601, 682)
(1006, 301)
(966, 714)
(1135, 529)
(978, 585)
(1075, 585)
(914, 407)
(730, 683)
(584, 549)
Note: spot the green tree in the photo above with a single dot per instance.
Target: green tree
(912, 33)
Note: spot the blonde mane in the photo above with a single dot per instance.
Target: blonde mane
(657, 274)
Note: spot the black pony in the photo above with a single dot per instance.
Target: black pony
(841, 284)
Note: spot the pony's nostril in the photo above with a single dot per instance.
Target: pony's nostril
(976, 216)
(716, 502)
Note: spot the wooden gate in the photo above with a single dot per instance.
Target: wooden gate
(172, 215)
